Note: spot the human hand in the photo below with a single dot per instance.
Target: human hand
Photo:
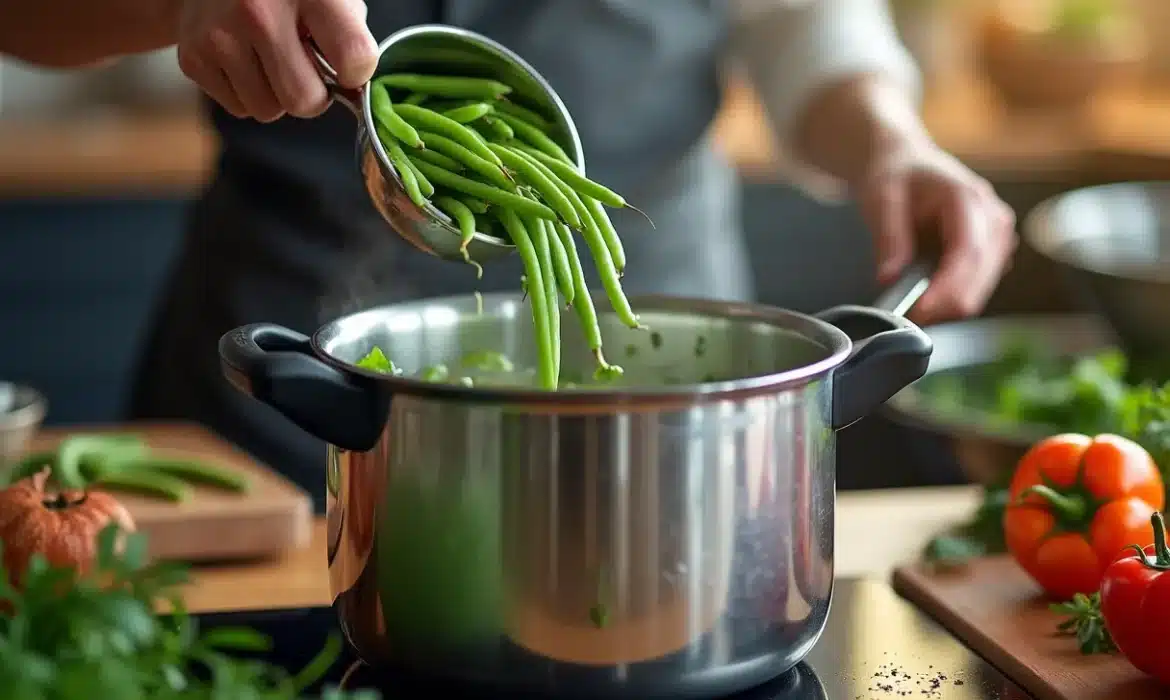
(917, 193)
(250, 56)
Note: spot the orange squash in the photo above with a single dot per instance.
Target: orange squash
(62, 526)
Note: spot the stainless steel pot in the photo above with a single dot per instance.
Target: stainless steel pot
(673, 539)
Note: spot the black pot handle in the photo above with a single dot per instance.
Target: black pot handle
(277, 366)
(889, 352)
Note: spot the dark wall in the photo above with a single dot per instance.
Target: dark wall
(77, 280)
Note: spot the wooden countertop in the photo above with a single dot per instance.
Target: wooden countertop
(1121, 135)
(907, 518)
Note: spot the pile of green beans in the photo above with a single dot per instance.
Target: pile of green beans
(122, 462)
(464, 147)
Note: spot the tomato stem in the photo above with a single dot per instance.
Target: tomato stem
(1067, 507)
(1161, 551)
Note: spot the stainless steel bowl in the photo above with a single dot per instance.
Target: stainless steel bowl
(1115, 241)
(444, 50)
(22, 409)
(986, 450)
(671, 537)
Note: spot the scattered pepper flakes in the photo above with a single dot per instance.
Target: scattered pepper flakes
(893, 681)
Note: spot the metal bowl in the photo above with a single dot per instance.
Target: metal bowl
(444, 50)
(985, 449)
(22, 409)
(1115, 241)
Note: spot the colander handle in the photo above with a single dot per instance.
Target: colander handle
(351, 99)
(903, 294)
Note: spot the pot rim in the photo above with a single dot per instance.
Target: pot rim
(836, 342)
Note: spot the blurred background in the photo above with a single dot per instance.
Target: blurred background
(97, 169)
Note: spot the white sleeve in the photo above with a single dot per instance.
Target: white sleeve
(791, 48)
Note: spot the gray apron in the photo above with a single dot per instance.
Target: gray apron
(285, 234)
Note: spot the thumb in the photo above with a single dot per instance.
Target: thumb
(886, 210)
(338, 27)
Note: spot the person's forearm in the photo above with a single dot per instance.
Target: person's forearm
(852, 122)
(74, 33)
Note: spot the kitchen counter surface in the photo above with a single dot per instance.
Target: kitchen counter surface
(906, 519)
(164, 152)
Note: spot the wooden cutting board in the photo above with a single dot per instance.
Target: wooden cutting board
(210, 525)
(995, 609)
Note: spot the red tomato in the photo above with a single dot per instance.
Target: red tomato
(1135, 602)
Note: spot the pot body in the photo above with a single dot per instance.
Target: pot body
(679, 552)
(672, 538)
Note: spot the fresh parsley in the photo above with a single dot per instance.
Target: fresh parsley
(65, 635)
(1085, 622)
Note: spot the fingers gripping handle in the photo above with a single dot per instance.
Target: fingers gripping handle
(348, 97)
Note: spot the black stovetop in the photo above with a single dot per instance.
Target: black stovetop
(875, 647)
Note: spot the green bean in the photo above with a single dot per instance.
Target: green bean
(586, 187)
(534, 137)
(445, 86)
(406, 169)
(103, 449)
(477, 206)
(425, 188)
(546, 368)
(468, 113)
(416, 99)
(187, 470)
(560, 260)
(443, 106)
(586, 312)
(492, 195)
(568, 192)
(582, 300)
(533, 176)
(523, 113)
(463, 217)
(602, 256)
(444, 126)
(490, 171)
(498, 128)
(436, 158)
(608, 232)
(143, 481)
(610, 279)
(383, 110)
(573, 178)
(541, 240)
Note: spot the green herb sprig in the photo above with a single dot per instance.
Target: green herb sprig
(71, 636)
(1085, 622)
